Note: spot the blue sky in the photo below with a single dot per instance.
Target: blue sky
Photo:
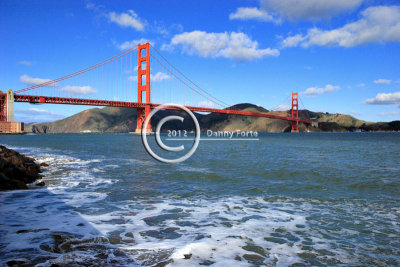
(341, 55)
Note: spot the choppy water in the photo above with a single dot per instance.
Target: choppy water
(287, 199)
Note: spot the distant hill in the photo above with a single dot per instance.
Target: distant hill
(111, 119)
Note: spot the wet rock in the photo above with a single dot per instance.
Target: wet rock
(41, 184)
(275, 240)
(18, 262)
(16, 170)
(159, 219)
(187, 256)
(255, 249)
(254, 258)
(46, 247)
(166, 233)
(129, 235)
(31, 230)
(114, 240)
(44, 164)
(206, 262)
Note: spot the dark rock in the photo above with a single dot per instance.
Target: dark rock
(16, 262)
(41, 184)
(255, 249)
(44, 164)
(254, 258)
(187, 256)
(16, 170)
(206, 262)
(129, 234)
(166, 233)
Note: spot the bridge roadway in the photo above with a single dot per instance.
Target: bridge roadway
(33, 99)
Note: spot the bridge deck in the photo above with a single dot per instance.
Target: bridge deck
(93, 102)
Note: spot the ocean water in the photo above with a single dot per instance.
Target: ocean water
(285, 200)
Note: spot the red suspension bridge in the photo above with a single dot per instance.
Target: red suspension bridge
(114, 81)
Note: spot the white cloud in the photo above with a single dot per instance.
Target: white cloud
(386, 114)
(378, 24)
(245, 13)
(32, 81)
(129, 44)
(234, 45)
(79, 90)
(319, 91)
(130, 19)
(309, 9)
(361, 85)
(158, 77)
(384, 99)
(292, 41)
(382, 81)
(281, 107)
(25, 62)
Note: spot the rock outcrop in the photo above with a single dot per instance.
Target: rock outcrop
(17, 170)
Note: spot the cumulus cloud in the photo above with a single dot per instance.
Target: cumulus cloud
(234, 45)
(129, 44)
(25, 62)
(158, 77)
(245, 13)
(384, 99)
(377, 24)
(32, 81)
(382, 81)
(79, 90)
(129, 19)
(292, 41)
(309, 9)
(319, 91)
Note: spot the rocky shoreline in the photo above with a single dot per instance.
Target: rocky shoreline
(17, 170)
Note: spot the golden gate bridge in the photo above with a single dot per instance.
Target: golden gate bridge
(115, 80)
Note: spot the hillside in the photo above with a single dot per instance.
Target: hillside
(111, 119)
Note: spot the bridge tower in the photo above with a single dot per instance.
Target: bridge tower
(143, 87)
(295, 112)
(7, 106)
(3, 107)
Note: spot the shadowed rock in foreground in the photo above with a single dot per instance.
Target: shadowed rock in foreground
(17, 170)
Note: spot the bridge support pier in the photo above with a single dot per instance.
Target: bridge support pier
(7, 124)
(143, 86)
(295, 112)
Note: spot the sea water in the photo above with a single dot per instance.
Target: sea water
(284, 199)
